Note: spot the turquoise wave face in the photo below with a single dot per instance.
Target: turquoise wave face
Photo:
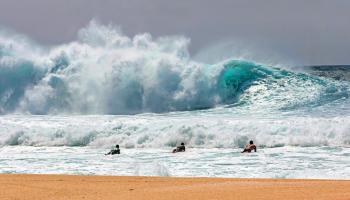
(237, 76)
(249, 86)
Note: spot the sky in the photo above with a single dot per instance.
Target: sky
(308, 32)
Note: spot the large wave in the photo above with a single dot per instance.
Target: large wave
(106, 72)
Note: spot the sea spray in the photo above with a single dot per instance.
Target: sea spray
(107, 72)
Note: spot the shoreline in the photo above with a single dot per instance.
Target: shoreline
(62, 187)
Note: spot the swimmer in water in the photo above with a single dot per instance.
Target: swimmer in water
(250, 147)
(180, 148)
(115, 150)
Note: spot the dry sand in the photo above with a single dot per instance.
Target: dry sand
(58, 187)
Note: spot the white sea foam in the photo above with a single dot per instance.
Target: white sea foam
(159, 131)
(282, 162)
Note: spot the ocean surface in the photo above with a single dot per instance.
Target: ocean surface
(63, 107)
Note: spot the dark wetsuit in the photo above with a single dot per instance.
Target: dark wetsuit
(181, 148)
(114, 151)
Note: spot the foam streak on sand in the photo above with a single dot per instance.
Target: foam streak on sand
(127, 188)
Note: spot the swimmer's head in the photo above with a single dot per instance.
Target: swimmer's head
(251, 142)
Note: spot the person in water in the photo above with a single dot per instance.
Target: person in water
(115, 150)
(180, 148)
(250, 147)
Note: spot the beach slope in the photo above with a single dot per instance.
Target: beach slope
(62, 187)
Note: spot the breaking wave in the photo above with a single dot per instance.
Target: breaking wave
(106, 72)
(206, 131)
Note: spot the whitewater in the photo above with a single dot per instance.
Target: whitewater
(63, 107)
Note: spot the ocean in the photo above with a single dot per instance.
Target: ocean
(63, 107)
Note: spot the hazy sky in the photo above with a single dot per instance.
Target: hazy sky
(307, 31)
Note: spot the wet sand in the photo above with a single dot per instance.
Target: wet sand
(59, 187)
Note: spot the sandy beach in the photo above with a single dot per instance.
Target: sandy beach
(59, 187)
